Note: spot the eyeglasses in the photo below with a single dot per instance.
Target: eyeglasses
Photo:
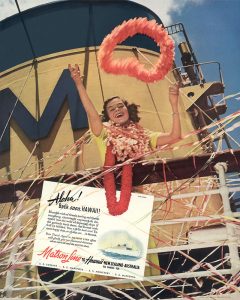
(112, 108)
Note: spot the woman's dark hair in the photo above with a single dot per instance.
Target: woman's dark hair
(132, 110)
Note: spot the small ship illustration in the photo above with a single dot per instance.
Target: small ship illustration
(123, 249)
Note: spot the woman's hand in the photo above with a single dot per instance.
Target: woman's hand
(75, 73)
(173, 94)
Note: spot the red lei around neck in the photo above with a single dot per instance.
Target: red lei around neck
(127, 141)
(122, 143)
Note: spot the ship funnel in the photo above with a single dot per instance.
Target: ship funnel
(188, 62)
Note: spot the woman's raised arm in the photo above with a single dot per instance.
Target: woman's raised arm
(175, 134)
(94, 119)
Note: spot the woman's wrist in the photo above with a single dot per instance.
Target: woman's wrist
(79, 80)
(78, 77)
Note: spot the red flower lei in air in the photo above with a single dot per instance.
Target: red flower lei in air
(131, 66)
(122, 143)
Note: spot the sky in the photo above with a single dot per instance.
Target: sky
(212, 27)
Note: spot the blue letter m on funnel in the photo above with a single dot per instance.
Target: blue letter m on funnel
(36, 130)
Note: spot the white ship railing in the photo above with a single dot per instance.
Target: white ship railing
(232, 242)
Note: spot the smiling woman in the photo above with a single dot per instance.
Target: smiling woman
(122, 137)
(121, 129)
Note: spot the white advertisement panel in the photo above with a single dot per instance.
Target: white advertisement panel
(76, 232)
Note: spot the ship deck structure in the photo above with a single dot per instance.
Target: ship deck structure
(45, 136)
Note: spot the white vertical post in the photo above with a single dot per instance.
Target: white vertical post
(221, 168)
(16, 224)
